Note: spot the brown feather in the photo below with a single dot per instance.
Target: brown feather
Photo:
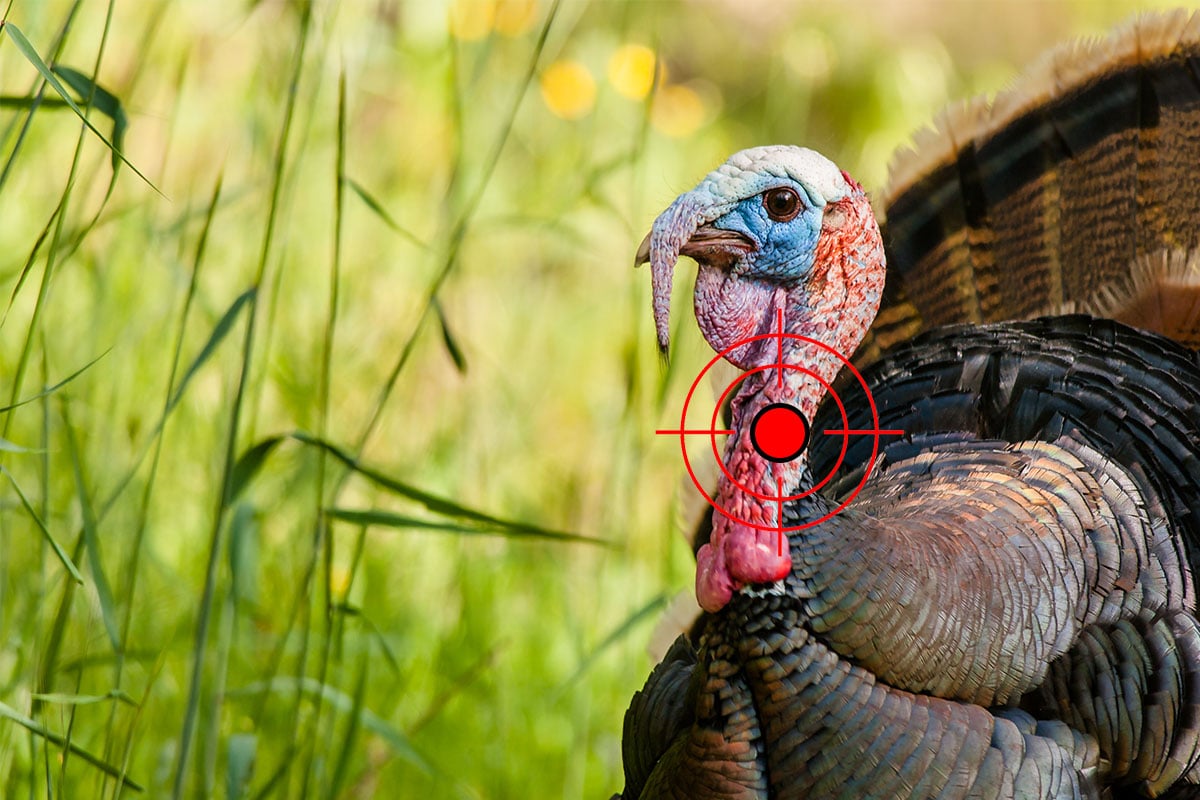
(1074, 191)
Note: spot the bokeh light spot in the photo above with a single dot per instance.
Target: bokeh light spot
(631, 70)
(515, 17)
(568, 89)
(471, 20)
(679, 111)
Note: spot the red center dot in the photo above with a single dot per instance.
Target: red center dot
(778, 432)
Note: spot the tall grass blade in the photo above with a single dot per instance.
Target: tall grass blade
(31, 55)
(90, 93)
(382, 213)
(226, 495)
(28, 103)
(323, 545)
(176, 391)
(51, 390)
(357, 613)
(38, 89)
(249, 464)
(456, 687)
(388, 519)
(253, 459)
(461, 224)
(239, 764)
(10, 713)
(289, 685)
(657, 603)
(350, 735)
(220, 331)
(33, 253)
(103, 101)
(61, 554)
(63, 699)
(204, 617)
(34, 325)
(91, 538)
(54, 640)
(438, 505)
(71, 716)
(456, 353)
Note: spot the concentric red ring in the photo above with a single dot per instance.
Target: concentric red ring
(874, 432)
(721, 461)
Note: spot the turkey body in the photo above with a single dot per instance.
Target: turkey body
(770, 699)
(1007, 608)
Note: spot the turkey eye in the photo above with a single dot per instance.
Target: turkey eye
(782, 204)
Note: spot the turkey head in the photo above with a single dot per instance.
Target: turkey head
(785, 243)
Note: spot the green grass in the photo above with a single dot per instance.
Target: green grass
(327, 393)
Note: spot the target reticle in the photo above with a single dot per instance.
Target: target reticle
(721, 462)
(779, 432)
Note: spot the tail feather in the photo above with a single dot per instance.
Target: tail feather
(1076, 190)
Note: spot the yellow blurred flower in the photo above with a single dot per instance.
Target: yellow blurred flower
(631, 70)
(678, 110)
(514, 17)
(339, 582)
(568, 89)
(471, 20)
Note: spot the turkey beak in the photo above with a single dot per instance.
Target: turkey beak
(716, 246)
(643, 251)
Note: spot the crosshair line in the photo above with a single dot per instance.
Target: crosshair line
(712, 430)
(779, 536)
(779, 349)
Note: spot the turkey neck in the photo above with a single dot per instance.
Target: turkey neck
(794, 373)
(831, 309)
(747, 545)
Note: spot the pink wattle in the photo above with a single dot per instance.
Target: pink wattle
(756, 556)
(738, 555)
(714, 585)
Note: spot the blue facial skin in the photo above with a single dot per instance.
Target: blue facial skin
(786, 250)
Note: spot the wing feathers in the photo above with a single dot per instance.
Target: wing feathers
(1057, 196)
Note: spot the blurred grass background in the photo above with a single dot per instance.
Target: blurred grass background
(292, 428)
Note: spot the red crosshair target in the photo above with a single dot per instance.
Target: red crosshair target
(779, 431)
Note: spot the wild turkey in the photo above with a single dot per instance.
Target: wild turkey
(1007, 609)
